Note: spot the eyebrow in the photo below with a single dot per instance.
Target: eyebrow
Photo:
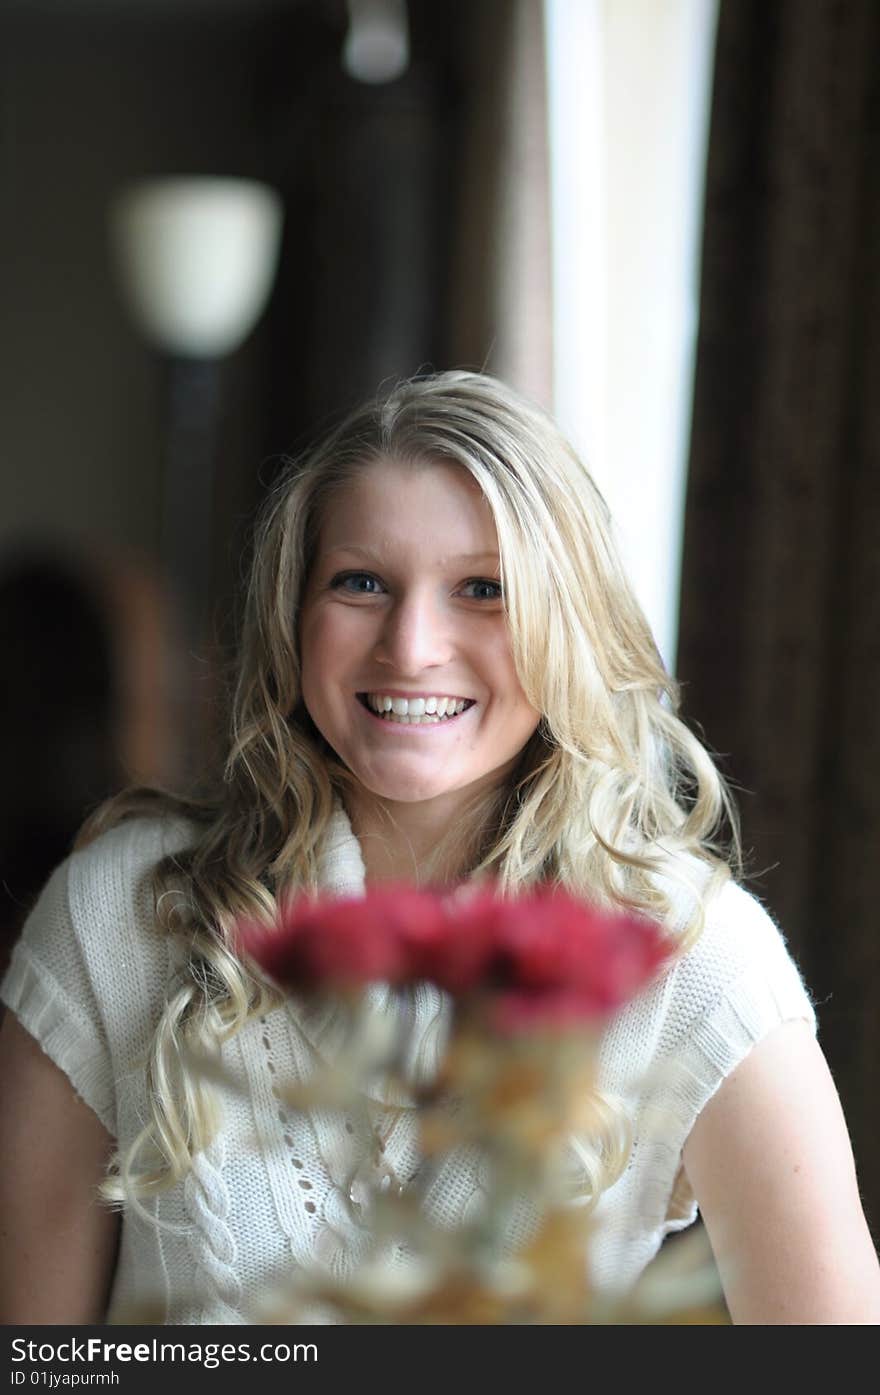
(377, 554)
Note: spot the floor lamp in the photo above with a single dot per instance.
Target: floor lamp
(197, 257)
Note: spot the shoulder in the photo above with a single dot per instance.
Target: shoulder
(111, 887)
(101, 898)
(120, 858)
(134, 845)
(715, 999)
(740, 941)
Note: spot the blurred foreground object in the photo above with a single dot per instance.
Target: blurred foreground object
(535, 980)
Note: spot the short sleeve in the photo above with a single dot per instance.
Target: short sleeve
(48, 987)
(89, 976)
(673, 1047)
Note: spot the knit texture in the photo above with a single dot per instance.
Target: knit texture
(279, 1188)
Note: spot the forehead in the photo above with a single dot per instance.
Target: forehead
(390, 504)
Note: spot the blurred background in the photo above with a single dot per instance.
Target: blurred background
(225, 221)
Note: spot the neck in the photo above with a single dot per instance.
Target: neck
(402, 841)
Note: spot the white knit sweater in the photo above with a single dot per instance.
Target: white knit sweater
(278, 1188)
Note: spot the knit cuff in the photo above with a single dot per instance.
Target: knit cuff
(62, 1032)
(716, 1044)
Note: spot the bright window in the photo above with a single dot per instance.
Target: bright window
(629, 86)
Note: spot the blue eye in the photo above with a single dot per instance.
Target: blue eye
(340, 583)
(494, 588)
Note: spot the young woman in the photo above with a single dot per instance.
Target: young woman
(444, 675)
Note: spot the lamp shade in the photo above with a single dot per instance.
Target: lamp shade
(197, 258)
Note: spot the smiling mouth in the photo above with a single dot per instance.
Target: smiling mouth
(414, 712)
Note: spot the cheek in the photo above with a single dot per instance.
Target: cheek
(501, 670)
(316, 648)
(322, 638)
(305, 640)
(331, 647)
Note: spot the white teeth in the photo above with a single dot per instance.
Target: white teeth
(415, 710)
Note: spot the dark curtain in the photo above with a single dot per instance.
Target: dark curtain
(780, 629)
(417, 230)
(368, 176)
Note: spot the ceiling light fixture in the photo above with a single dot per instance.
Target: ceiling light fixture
(376, 47)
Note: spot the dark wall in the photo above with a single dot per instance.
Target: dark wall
(87, 106)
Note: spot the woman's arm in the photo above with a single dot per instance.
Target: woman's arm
(771, 1164)
(57, 1241)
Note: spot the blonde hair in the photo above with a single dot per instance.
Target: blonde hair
(611, 790)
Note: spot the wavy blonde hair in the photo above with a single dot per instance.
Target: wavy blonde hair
(611, 790)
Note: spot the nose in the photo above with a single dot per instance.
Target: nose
(415, 635)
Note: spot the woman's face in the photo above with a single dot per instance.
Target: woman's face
(404, 603)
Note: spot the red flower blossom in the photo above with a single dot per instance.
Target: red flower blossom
(348, 940)
(546, 956)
